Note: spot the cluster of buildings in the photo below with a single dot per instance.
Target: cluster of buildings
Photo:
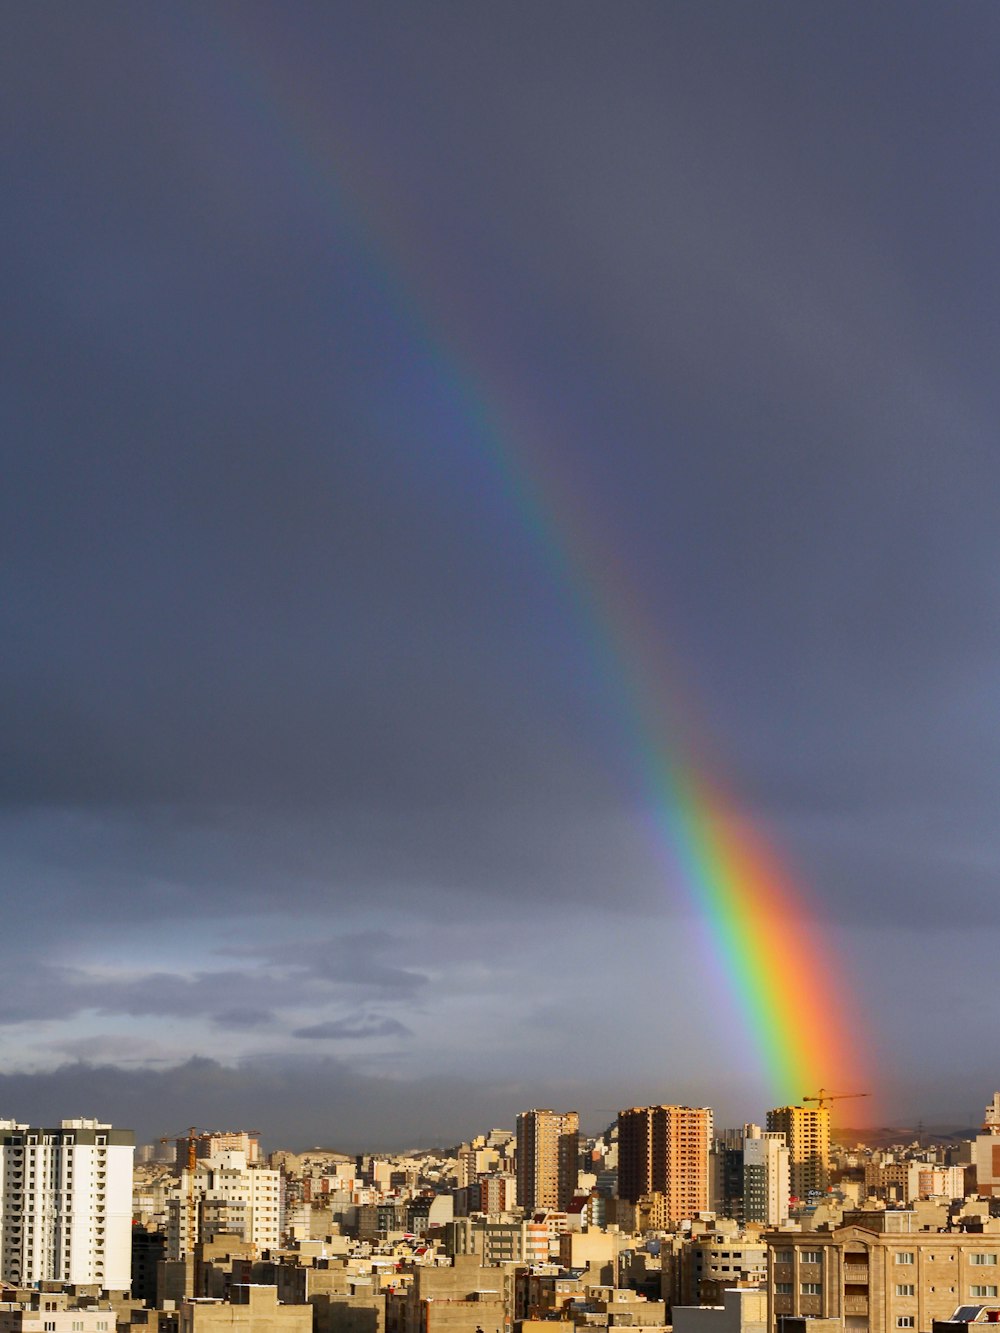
(661, 1222)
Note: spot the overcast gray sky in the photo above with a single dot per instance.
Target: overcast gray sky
(317, 807)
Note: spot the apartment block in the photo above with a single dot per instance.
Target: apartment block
(548, 1146)
(986, 1151)
(807, 1134)
(224, 1194)
(879, 1281)
(905, 1182)
(55, 1312)
(211, 1144)
(749, 1176)
(664, 1150)
(250, 1309)
(766, 1176)
(66, 1204)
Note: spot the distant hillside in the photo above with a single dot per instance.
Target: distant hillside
(889, 1134)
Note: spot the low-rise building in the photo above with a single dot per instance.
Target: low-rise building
(879, 1281)
(250, 1309)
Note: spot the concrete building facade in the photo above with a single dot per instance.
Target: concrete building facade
(548, 1147)
(664, 1150)
(879, 1281)
(807, 1134)
(224, 1195)
(250, 1309)
(986, 1152)
(66, 1204)
(766, 1176)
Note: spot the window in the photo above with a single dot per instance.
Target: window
(812, 1256)
(783, 1289)
(983, 1291)
(782, 1256)
(811, 1289)
(905, 1321)
(983, 1260)
(905, 1289)
(904, 1257)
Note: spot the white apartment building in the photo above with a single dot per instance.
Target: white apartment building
(766, 1176)
(66, 1204)
(225, 1193)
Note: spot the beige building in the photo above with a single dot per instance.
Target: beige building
(905, 1182)
(986, 1151)
(250, 1309)
(880, 1281)
(807, 1134)
(743, 1310)
(698, 1269)
(456, 1299)
(211, 1144)
(548, 1146)
(224, 1195)
(663, 1150)
(56, 1313)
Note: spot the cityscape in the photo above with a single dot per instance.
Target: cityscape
(501, 666)
(661, 1222)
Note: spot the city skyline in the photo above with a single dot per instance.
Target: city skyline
(468, 469)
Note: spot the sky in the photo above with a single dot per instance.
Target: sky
(359, 361)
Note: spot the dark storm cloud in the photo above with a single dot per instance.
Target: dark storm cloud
(331, 1105)
(350, 959)
(231, 997)
(323, 1101)
(283, 643)
(243, 1020)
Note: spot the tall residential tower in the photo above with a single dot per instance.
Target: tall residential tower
(548, 1146)
(807, 1133)
(664, 1150)
(66, 1204)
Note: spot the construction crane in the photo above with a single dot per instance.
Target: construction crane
(825, 1096)
(191, 1139)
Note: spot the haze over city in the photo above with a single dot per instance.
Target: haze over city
(388, 388)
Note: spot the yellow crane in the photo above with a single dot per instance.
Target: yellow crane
(825, 1096)
(191, 1139)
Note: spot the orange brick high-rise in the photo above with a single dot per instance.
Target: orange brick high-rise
(664, 1150)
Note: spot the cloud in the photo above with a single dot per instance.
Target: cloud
(352, 1029)
(246, 1019)
(354, 959)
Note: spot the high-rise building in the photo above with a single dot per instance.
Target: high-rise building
(664, 1150)
(211, 1144)
(548, 1147)
(766, 1176)
(748, 1172)
(66, 1204)
(224, 1194)
(725, 1175)
(807, 1133)
(986, 1151)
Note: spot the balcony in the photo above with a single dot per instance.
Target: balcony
(856, 1273)
(856, 1305)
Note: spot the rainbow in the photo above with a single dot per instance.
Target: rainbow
(790, 995)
